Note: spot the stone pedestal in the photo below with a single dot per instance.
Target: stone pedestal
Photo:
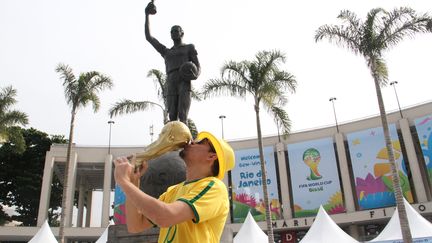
(119, 234)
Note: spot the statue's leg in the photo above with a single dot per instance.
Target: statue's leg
(184, 102)
(172, 102)
(172, 95)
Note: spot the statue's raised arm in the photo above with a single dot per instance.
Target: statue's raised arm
(151, 10)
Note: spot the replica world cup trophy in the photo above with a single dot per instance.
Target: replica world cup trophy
(164, 165)
(174, 135)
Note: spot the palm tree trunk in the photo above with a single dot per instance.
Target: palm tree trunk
(403, 219)
(63, 219)
(264, 176)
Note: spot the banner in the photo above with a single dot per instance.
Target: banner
(424, 131)
(314, 177)
(247, 185)
(119, 206)
(372, 170)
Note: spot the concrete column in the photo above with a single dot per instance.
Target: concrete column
(70, 193)
(89, 206)
(81, 198)
(354, 232)
(284, 182)
(226, 181)
(46, 189)
(345, 173)
(106, 203)
(419, 188)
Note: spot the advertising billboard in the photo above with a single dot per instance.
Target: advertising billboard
(424, 131)
(119, 216)
(247, 185)
(372, 170)
(314, 177)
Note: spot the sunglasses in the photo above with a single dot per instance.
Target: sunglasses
(207, 141)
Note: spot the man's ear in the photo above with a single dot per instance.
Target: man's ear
(212, 156)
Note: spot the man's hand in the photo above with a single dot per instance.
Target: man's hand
(126, 171)
(138, 170)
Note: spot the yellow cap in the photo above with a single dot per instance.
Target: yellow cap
(224, 153)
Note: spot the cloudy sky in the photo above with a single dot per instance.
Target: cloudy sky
(108, 36)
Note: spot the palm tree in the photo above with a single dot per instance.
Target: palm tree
(126, 106)
(78, 93)
(10, 118)
(266, 83)
(381, 31)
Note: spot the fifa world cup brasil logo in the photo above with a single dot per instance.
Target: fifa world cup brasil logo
(311, 157)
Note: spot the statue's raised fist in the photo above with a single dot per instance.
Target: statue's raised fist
(150, 9)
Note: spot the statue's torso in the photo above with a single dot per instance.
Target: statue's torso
(177, 55)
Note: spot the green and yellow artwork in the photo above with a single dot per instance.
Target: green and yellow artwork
(247, 194)
(314, 177)
(372, 170)
(311, 157)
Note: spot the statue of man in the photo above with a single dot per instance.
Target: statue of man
(182, 66)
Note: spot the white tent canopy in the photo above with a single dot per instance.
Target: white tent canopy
(250, 232)
(44, 235)
(325, 230)
(104, 237)
(419, 226)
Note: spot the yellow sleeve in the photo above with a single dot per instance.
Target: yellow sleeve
(207, 199)
(163, 196)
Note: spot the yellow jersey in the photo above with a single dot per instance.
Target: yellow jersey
(208, 199)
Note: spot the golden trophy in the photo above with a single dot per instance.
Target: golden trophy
(174, 135)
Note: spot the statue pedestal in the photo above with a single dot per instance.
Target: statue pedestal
(167, 170)
(119, 234)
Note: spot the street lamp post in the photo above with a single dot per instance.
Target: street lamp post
(222, 117)
(397, 99)
(332, 99)
(110, 122)
(277, 125)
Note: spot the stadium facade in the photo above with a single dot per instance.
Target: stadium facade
(345, 169)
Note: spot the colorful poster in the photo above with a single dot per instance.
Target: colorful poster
(424, 131)
(314, 177)
(119, 206)
(371, 167)
(247, 185)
